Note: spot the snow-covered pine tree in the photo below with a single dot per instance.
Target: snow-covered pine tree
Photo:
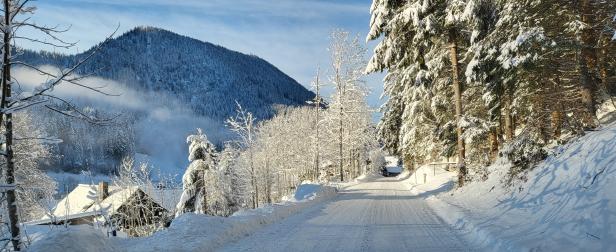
(520, 78)
(420, 40)
(202, 159)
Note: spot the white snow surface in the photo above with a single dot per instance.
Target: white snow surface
(74, 238)
(371, 214)
(189, 232)
(566, 203)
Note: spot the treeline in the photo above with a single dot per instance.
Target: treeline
(329, 141)
(479, 79)
(84, 146)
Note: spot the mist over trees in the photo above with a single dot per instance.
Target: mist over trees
(157, 78)
(208, 79)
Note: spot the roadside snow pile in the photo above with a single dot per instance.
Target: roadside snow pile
(193, 232)
(307, 191)
(74, 238)
(436, 180)
(567, 203)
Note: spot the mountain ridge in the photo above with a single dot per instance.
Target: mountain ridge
(209, 78)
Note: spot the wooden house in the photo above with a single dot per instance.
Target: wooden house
(127, 209)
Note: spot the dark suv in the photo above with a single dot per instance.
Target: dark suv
(391, 171)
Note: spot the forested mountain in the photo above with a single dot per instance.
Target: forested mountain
(209, 78)
(168, 85)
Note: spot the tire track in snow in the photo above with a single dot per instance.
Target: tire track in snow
(379, 215)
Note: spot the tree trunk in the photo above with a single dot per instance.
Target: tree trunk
(556, 123)
(253, 181)
(588, 64)
(204, 193)
(11, 197)
(351, 167)
(509, 128)
(493, 144)
(268, 184)
(455, 72)
(408, 161)
(609, 91)
(316, 126)
(340, 144)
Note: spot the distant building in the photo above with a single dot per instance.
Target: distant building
(128, 209)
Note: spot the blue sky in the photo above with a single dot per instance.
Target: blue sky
(291, 34)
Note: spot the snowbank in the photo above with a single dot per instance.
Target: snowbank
(566, 203)
(74, 238)
(189, 232)
(306, 192)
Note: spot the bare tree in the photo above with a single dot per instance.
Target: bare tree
(348, 61)
(244, 125)
(16, 14)
(317, 102)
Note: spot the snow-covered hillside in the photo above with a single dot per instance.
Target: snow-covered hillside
(163, 86)
(207, 77)
(566, 203)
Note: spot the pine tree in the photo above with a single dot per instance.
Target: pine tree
(202, 159)
(508, 65)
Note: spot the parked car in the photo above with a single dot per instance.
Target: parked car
(391, 171)
(392, 168)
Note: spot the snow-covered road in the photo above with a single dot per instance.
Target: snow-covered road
(378, 215)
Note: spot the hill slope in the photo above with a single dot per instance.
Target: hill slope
(566, 203)
(207, 77)
(169, 85)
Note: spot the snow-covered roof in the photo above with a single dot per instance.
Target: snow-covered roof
(79, 200)
(83, 199)
(115, 200)
(167, 198)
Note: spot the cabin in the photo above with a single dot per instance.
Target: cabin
(127, 209)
